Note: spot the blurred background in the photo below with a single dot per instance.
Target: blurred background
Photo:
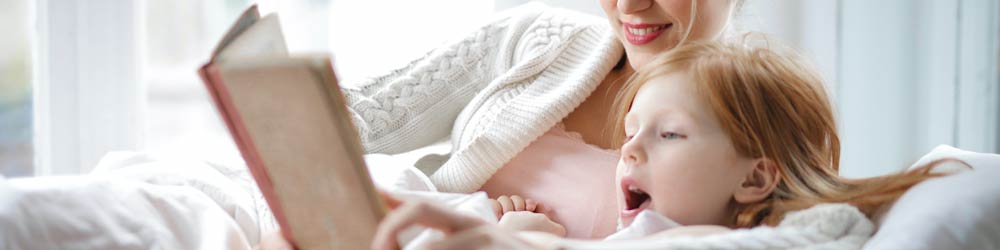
(81, 78)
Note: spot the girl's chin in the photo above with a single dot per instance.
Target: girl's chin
(623, 223)
(626, 217)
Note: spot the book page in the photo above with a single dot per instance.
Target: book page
(262, 38)
(246, 19)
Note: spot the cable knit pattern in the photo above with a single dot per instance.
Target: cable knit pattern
(493, 92)
(826, 226)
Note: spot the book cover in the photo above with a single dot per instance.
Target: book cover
(293, 129)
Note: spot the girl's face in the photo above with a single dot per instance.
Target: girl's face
(648, 27)
(676, 159)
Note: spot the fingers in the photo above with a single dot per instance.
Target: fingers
(419, 213)
(518, 202)
(505, 204)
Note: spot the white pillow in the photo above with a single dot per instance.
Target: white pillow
(961, 211)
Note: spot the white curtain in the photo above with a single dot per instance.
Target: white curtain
(915, 74)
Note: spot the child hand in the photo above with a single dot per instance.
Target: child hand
(531, 221)
(505, 204)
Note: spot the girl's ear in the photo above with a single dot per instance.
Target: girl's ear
(760, 183)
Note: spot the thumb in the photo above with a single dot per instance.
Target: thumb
(389, 200)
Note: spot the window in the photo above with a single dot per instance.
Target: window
(179, 37)
(16, 153)
(913, 75)
(905, 76)
(121, 75)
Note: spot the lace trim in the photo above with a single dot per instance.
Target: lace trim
(561, 129)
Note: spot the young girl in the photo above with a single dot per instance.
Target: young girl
(737, 136)
(722, 135)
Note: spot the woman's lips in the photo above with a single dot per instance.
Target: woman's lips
(639, 34)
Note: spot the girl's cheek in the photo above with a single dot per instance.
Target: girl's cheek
(618, 178)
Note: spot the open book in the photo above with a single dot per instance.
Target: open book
(292, 126)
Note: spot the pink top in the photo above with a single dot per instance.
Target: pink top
(572, 179)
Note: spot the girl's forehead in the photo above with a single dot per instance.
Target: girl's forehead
(670, 95)
(670, 91)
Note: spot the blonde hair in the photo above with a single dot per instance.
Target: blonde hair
(771, 105)
(735, 8)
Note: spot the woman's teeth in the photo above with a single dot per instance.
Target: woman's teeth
(643, 31)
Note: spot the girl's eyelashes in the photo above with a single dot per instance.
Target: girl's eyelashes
(672, 136)
(664, 135)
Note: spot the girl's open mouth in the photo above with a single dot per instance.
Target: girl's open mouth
(636, 200)
(639, 34)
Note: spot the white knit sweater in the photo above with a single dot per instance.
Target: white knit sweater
(493, 92)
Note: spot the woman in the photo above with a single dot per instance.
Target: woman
(526, 99)
(511, 93)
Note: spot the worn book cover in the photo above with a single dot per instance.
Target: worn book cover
(293, 129)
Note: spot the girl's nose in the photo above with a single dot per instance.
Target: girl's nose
(633, 6)
(633, 153)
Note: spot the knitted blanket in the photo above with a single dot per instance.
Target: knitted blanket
(828, 226)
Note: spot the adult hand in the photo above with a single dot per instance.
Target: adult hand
(276, 241)
(461, 231)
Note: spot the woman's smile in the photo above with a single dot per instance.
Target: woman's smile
(641, 33)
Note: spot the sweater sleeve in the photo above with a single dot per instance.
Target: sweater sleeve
(417, 104)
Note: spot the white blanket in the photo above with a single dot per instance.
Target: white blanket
(132, 201)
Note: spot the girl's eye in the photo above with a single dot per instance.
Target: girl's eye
(628, 138)
(671, 135)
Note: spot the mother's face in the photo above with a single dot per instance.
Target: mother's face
(648, 27)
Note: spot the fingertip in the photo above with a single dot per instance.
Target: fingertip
(530, 205)
(497, 209)
(518, 202)
(506, 203)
